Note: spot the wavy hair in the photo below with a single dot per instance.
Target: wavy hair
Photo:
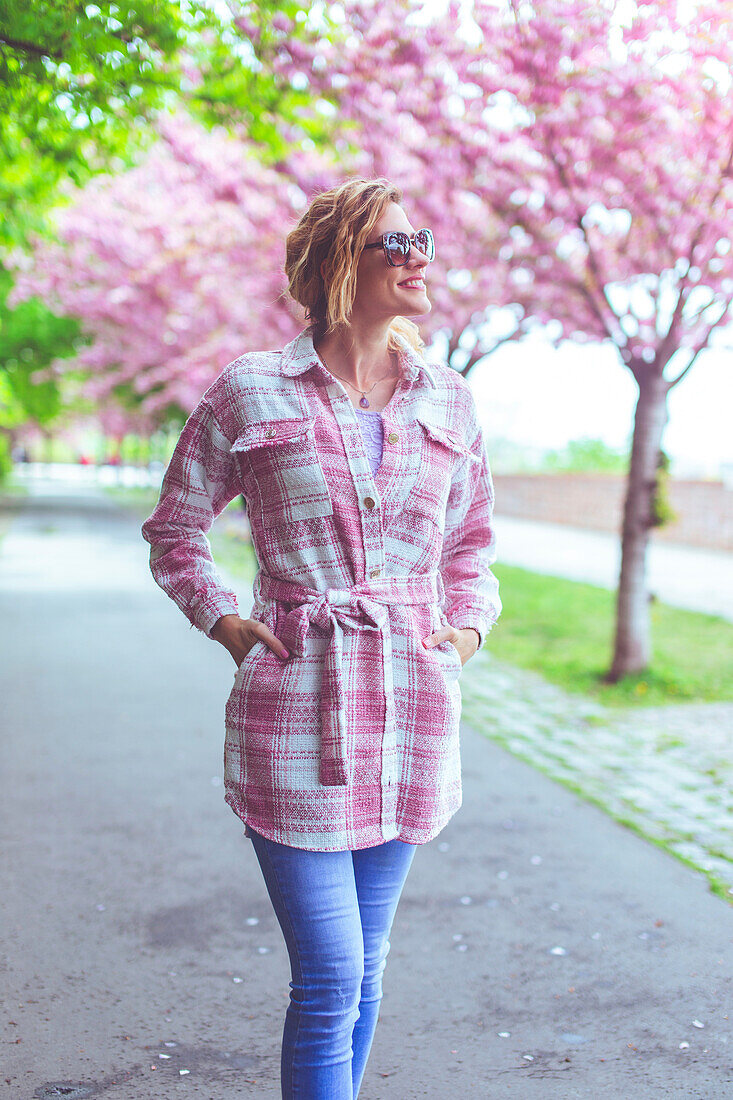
(332, 232)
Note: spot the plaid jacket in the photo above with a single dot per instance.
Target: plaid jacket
(353, 739)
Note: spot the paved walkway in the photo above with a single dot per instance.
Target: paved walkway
(684, 576)
(541, 951)
(667, 770)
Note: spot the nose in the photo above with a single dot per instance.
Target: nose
(419, 257)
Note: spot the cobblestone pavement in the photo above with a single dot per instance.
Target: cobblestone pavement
(667, 770)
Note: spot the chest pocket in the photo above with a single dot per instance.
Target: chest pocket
(281, 470)
(441, 451)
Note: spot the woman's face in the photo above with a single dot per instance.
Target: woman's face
(384, 292)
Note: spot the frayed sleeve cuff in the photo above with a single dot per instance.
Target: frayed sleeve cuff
(205, 613)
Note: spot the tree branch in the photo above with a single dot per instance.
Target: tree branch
(592, 263)
(477, 356)
(671, 334)
(29, 47)
(701, 346)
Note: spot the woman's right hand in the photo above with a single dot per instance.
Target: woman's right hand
(239, 635)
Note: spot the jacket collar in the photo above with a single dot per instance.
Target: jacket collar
(299, 356)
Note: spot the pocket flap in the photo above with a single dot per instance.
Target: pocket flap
(449, 437)
(267, 433)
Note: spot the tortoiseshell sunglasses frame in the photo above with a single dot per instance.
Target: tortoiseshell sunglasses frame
(411, 240)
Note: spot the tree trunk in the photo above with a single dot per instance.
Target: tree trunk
(632, 648)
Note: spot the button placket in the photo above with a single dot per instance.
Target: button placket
(362, 477)
(373, 535)
(373, 544)
(356, 455)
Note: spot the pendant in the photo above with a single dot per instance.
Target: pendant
(364, 402)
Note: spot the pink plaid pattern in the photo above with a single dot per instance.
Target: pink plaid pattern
(353, 739)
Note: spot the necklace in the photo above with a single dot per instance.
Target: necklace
(363, 400)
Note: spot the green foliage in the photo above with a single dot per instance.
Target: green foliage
(73, 80)
(564, 629)
(231, 550)
(78, 87)
(79, 83)
(239, 88)
(6, 464)
(31, 337)
(661, 509)
(589, 455)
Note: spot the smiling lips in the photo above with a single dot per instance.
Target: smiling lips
(413, 284)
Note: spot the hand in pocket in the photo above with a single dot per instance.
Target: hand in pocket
(239, 635)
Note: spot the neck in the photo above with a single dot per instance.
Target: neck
(358, 353)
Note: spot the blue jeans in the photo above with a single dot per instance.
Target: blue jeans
(335, 910)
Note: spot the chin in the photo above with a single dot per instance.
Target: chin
(420, 311)
(412, 305)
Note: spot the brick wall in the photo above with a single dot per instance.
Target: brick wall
(704, 508)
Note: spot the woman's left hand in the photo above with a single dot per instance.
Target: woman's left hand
(465, 640)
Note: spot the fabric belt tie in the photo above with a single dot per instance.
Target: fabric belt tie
(363, 607)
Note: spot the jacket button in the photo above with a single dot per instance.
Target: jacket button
(392, 437)
(375, 572)
(369, 502)
(269, 433)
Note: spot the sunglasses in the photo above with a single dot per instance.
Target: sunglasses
(397, 244)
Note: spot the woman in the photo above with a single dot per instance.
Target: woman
(370, 501)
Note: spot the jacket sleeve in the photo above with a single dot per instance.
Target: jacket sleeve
(199, 482)
(469, 545)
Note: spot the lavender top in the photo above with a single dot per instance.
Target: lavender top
(372, 430)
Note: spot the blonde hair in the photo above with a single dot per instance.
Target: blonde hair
(333, 232)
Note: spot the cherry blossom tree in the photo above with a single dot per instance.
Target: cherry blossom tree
(393, 78)
(79, 88)
(615, 190)
(173, 268)
(576, 162)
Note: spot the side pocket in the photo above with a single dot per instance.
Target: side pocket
(251, 652)
(269, 613)
(446, 650)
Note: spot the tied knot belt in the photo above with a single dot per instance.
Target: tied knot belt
(363, 607)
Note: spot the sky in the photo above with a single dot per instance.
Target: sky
(543, 397)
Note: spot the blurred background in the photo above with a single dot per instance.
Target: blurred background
(574, 163)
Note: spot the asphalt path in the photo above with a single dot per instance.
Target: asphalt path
(540, 949)
(691, 577)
